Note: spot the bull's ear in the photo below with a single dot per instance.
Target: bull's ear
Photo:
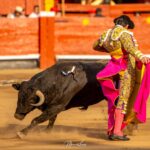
(16, 86)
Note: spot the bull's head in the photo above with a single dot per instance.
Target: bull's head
(28, 99)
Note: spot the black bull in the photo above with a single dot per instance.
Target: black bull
(57, 89)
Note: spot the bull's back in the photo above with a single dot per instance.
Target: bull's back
(91, 93)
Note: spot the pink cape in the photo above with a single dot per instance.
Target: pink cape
(113, 67)
(142, 96)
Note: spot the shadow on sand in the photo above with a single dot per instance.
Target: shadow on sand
(11, 129)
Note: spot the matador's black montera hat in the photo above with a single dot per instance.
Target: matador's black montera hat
(125, 20)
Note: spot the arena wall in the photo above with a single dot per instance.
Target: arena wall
(19, 36)
(63, 36)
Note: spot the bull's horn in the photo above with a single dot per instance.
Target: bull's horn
(42, 98)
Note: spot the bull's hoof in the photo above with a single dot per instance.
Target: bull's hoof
(20, 135)
(49, 129)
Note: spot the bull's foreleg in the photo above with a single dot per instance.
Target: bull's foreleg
(49, 114)
(51, 123)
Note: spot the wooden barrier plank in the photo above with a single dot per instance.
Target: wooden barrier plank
(19, 36)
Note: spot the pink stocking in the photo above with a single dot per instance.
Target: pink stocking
(118, 122)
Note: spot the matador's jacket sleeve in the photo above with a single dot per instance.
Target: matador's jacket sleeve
(98, 45)
(130, 45)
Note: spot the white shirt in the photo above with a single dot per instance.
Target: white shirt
(34, 15)
(12, 16)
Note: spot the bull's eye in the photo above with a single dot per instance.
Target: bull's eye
(34, 100)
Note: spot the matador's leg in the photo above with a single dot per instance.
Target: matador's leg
(125, 90)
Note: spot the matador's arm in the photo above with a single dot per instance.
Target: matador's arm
(130, 46)
(98, 47)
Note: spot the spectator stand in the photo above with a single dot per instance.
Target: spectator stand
(107, 10)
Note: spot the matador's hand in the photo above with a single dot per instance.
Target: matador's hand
(145, 60)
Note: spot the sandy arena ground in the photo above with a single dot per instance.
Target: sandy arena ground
(74, 129)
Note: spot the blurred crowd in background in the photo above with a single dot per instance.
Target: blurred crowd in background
(98, 2)
(19, 12)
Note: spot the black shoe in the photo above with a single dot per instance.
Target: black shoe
(118, 138)
(109, 137)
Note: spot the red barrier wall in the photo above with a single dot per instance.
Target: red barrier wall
(72, 37)
(19, 36)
